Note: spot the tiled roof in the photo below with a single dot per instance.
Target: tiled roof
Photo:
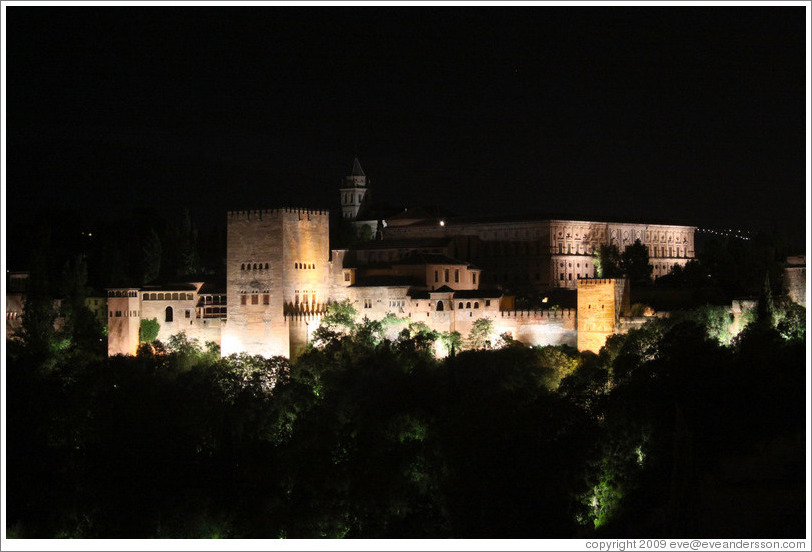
(478, 294)
(175, 286)
(429, 258)
(356, 168)
(403, 244)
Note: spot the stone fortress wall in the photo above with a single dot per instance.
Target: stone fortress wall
(274, 258)
(281, 274)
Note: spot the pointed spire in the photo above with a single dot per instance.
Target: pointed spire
(356, 168)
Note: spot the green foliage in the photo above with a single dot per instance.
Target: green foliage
(765, 312)
(417, 337)
(340, 315)
(634, 264)
(373, 438)
(180, 254)
(368, 332)
(148, 330)
(558, 362)
(339, 321)
(738, 267)
(607, 261)
(480, 334)
(792, 322)
(151, 253)
(451, 341)
(716, 320)
(365, 233)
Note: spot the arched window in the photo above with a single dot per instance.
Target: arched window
(468, 305)
(460, 305)
(439, 305)
(160, 297)
(255, 266)
(476, 305)
(295, 265)
(266, 266)
(168, 317)
(242, 266)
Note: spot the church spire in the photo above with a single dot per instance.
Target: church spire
(356, 168)
(354, 193)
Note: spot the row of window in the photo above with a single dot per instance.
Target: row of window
(392, 255)
(254, 266)
(266, 299)
(122, 294)
(305, 294)
(661, 252)
(303, 266)
(119, 314)
(167, 296)
(348, 197)
(441, 306)
(447, 273)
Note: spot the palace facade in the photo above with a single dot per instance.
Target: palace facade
(445, 272)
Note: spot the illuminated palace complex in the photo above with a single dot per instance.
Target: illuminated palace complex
(445, 272)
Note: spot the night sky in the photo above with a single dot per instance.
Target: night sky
(678, 114)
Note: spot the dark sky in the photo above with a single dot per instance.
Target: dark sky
(686, 114)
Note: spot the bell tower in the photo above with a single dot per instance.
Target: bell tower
(354, 192)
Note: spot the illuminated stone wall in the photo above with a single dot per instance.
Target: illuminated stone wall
(123, 321)
(795, 279)
(539, 328)
(552, 253)
(274, 257)
(601, 302)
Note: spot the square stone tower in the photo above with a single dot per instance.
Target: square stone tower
(277, 263)
(601, 302)
(123, 321)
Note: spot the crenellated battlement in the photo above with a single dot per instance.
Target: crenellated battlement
(282, 212)
(586, 282)
(303, 316)
(539, 315)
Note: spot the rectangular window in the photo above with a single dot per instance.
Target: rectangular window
(436, 276)
(487, 302)
(367, 303)
(118, 314)
(457, 275)
(188, 313)
(254, 299)
(266, 299)
(474, 276)
(446, 275)
(346, 276)
(242, 299)
(561, 276)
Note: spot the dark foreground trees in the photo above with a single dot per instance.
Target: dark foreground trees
(667, 432)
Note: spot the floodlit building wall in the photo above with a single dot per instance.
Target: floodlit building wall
(601, 302)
